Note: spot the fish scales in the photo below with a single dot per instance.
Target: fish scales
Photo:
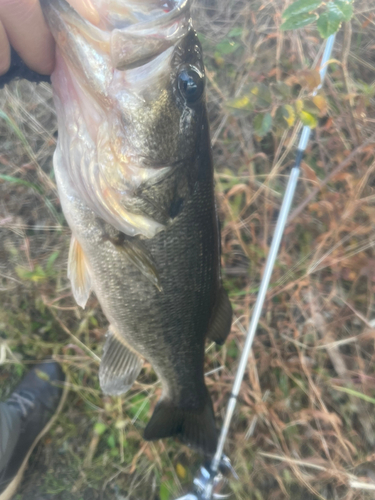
(147, 318)
(134, 171)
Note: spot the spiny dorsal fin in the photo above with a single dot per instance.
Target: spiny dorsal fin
(78, 273)
(221, 319)
(120, 365)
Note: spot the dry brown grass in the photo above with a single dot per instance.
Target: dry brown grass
(304, 426)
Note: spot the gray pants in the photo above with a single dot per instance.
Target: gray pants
(10, 426)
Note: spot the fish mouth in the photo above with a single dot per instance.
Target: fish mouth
(136, 45)
(132, 32)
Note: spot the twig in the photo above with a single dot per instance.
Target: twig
(352, 480)
(76, 339)
(334, 172)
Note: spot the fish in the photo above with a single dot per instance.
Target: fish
(134, 171)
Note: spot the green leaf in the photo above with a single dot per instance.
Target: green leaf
(327, 25)
(310, 107)
(320, 103)
(100, 428)
(253, 95)
(235, 32)
(114, 452)
(281, 90)
(232, 350)
(262, 94)
(181, 471)
(111, 441)
(42, 375)
(240, 103)
(308, 119)
(36, 275)
(226, 47)
(51, 260)
(352, 392)
(299, 21)
(286, 115)
(19, 370)
(301, 7)
(329, 22)
(346, 8)
(262, 124)
(164, 492)
(94, 321)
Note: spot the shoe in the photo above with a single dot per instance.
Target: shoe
(37, 400)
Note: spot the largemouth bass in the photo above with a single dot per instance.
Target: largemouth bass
(134, 172)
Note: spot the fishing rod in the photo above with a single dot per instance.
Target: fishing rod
(211, 479)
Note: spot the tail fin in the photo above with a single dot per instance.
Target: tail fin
(196, 429)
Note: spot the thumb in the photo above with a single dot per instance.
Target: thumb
(28, 33)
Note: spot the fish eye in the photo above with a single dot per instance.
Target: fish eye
(191, 84)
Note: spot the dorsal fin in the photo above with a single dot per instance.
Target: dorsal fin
(221, 319)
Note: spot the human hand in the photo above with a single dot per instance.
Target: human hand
(23, 27)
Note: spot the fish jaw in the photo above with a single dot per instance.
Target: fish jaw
(122, 124)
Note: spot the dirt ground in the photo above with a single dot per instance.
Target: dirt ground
(304, 426)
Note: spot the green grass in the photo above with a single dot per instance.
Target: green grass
(304, 427)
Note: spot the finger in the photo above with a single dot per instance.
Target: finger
(86, 9)
(28, 33)
(4, 51)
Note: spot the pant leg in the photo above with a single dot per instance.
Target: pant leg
(10, 426)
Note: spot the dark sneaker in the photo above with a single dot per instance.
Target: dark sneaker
(36, 401)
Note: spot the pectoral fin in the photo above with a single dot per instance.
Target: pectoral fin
(221, 320)
(78, 273)
(120, 365)
(140, 258)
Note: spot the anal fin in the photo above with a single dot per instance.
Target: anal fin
(78, 273)
(120, 365)
(221, 320)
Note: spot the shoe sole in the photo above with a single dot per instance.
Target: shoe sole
(13, 485)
